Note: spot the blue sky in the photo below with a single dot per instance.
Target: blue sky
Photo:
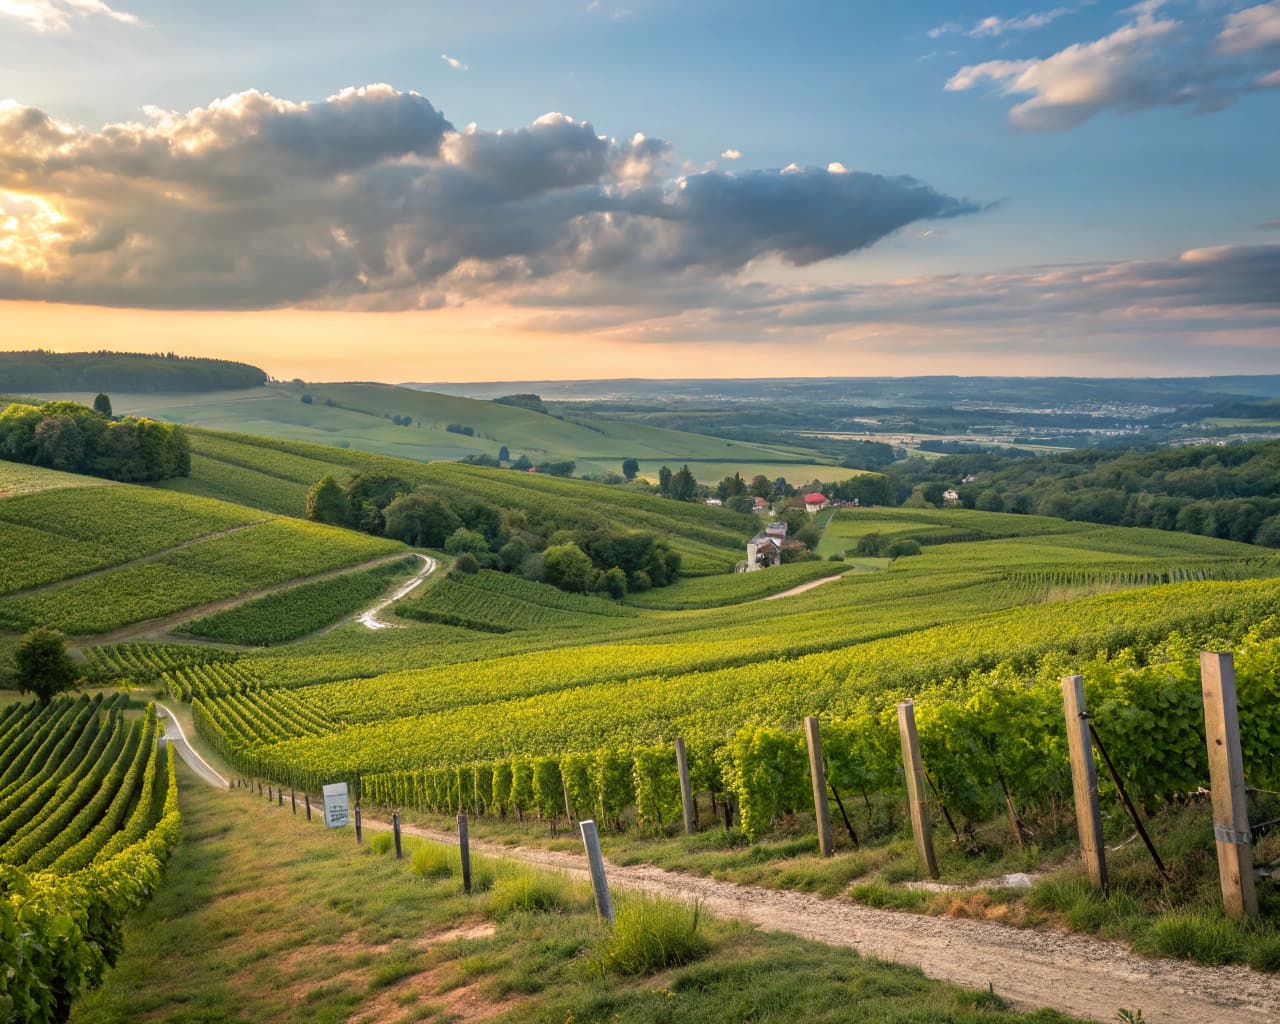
(1069, 134)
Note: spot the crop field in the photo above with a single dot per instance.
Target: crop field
(289, 614)
(165, 552)
(17, 478)
(710, 591)
(88, 816)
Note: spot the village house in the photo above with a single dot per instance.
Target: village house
(761, 504)
(714, 502)
(950, 497)
(815, 502)
(765, 548)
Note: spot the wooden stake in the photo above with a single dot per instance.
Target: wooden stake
(686, 791)
(914, 771)
(591, 840)
(359, 838)
(464, 850)
(1084, 782)
(395, 831)
(1226, 781)
(306, 798)
(818, 775)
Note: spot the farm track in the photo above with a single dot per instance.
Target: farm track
(155, 556)
(803, 588)
(1031, 968)
(159, 628)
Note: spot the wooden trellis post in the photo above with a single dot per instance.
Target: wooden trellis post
(1084, 782)
(913, 768)
(1226, 781)
(686, 790)
(821, 809)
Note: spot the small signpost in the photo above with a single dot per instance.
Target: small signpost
(337, 806)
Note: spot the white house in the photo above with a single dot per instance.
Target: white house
(950, 497)
(815, 502)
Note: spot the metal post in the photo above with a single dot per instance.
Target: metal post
(1084, 782)
(914, 771)
(686, 791)
(821, 809)
(1226, 782)
(591, 840)
(464, 849)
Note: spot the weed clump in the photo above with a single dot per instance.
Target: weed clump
(431, 860)
(651, 935)
(520, 890)
(381, 843)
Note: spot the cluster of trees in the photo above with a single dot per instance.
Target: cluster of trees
(568, 555)
(37, 371)
(77, 439)
(530, 401)
(877, 545)
(1230, 491)
(461, 428)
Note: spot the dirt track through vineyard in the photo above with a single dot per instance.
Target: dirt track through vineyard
(1075, 974)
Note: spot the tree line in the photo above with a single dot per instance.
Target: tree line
(37, 371)
(1226, 491)
(564, 553)
(76, 439)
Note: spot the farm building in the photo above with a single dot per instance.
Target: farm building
(765, 548)
(815, 502)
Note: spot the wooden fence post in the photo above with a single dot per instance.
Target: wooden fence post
(1226, 781)
(293, 801)
(359, 834)
(599, 884)
(306, 799)
(686, 791)
(395, 831)
(279, 797)
(914, 771)
(1084, 782)
(821, 809)
(464, 851)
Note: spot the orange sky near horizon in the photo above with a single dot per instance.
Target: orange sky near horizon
(488, 343)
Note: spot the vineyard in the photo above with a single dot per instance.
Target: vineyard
(88, 815)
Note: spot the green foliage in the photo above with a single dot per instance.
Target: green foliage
(381, 843)
(74, 438)
(43, 666)
(421, 521)
(298, 611)
(569, 568)
(102, 405)
(649, 936)
(36, 372)
(327, 503)
(519, 890)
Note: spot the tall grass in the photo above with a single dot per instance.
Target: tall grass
(651, 935)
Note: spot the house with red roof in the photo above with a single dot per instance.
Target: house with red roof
(815, 502)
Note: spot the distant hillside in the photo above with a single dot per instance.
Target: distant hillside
(274, 475)
(424, 426)
(39, 372)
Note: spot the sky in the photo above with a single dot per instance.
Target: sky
(620, 188)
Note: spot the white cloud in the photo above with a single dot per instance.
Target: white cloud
(995, 26)
(371, 199)
(57, 15)
(1254, 28)
(1149, 62)
(731, 154)
(453, 62)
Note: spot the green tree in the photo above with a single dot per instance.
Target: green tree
(421, 520)
(630, 469)
(504, 455)
(903, 548)
(989, 501)
(683, 485)
(44, 667)
(614, 583)
(327, 503)
(464, 540)
(102, 404)
(568, 567)
(664, 482)
(761, 486)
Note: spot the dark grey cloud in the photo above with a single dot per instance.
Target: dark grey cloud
(372, 199)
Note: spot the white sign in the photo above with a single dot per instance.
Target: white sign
(337, 811)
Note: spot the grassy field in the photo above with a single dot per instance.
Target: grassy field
(357, 416)
(236, 932)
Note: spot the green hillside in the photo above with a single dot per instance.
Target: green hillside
(358, 416)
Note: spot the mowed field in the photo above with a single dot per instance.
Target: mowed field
(357, 416)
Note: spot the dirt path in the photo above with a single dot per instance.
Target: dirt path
(370, 618)
(155, 556)
(804, 587)
(1075, 974)
(175, 735)
(156, 629)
